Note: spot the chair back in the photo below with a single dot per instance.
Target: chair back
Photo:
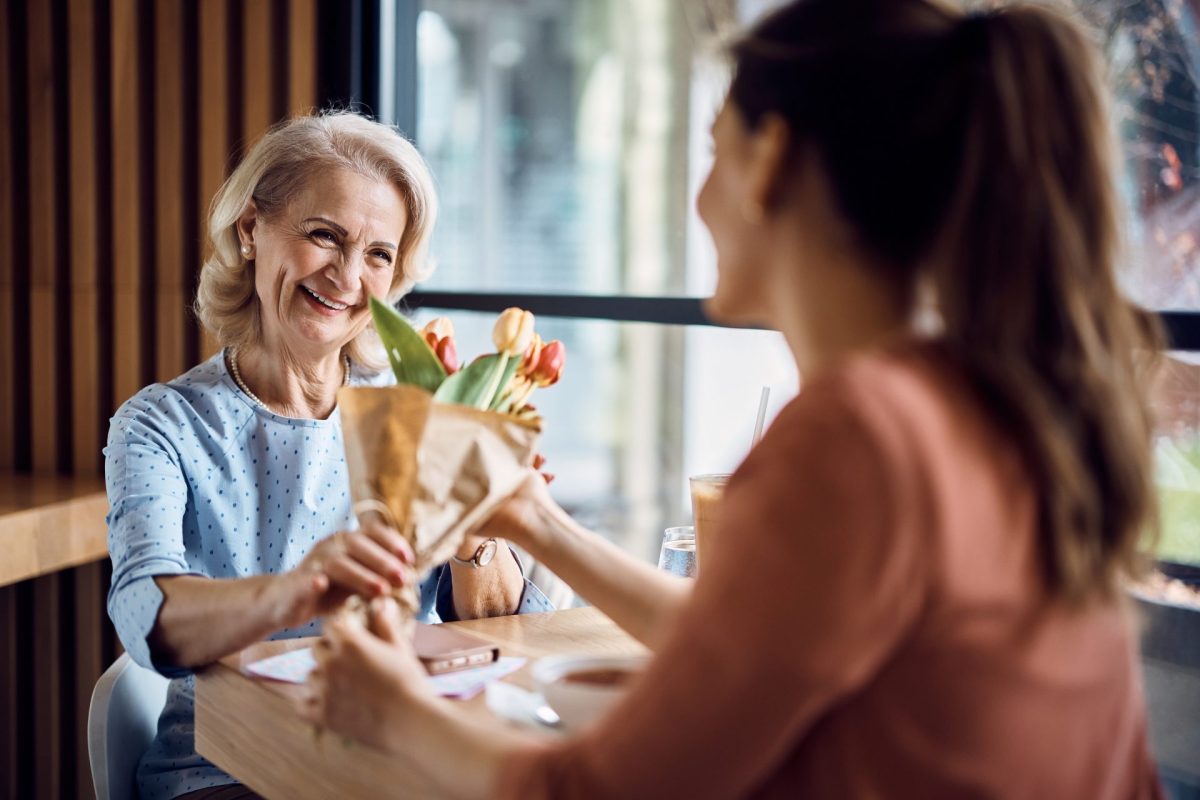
(122, 720)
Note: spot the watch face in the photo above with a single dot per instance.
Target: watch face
(486, 552)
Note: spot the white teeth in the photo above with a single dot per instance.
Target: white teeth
(325, 301)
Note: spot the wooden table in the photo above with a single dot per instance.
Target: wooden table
(49, 523)
(250, 727)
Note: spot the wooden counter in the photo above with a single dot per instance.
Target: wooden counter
(49, 523)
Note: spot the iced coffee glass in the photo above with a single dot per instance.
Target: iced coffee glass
(706, 496)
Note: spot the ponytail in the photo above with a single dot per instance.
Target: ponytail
(1028, 293)
(975, 151)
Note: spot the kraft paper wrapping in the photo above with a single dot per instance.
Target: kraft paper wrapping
(433, 470)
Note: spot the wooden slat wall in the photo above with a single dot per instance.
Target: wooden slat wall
(43, 233)
(8, 337)
(127, 161)
(119, 120)
(171, 251)
(9, 674)
(85, 214)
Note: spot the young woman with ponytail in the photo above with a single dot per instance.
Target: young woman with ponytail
(918, 591)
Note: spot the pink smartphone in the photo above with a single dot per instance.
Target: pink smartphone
(443, 649)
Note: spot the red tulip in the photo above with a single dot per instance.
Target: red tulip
(441, 327)
(439, 335)
(549, 365)
(447, 353)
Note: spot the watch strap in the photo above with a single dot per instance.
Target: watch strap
(473, 561)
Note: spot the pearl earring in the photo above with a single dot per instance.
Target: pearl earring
(247, 250)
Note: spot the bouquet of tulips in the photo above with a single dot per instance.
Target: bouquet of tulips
(436, 453)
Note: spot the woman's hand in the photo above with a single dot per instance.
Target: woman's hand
(634, 594)
(367, 683)
(369, 686)
(525, 516)
(370, 562)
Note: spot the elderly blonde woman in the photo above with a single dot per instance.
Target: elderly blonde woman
(230, 516)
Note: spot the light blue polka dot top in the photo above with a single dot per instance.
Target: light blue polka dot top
(203, 481)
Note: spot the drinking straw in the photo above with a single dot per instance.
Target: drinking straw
(762, 413)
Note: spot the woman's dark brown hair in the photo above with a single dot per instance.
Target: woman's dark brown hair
(975, 153)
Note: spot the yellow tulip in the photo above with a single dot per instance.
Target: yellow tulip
(513, 332)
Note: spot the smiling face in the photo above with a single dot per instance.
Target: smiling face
(320, 259)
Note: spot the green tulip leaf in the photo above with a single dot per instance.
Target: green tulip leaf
(412, 359)
(474, 384)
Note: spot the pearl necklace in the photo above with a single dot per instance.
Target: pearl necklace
(241, 384)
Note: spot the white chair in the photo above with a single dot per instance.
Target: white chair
(122, 720)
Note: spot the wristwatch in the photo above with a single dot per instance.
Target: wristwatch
(483, 556)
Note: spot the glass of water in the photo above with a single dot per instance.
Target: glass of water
(678, 555)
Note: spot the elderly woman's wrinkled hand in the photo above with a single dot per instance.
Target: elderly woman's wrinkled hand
(367, 680)
(370, 562)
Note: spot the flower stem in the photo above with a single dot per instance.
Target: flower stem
(494, 383)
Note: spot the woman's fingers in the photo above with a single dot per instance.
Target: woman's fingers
(372, 555)
(390, 540)
(368, 562)
(364, 678)
(348, 574)
(296, 597)
(539, 461)
(385, 620)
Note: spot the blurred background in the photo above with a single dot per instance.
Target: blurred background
(567, 138)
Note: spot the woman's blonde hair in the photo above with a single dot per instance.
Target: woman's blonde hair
(278, 167)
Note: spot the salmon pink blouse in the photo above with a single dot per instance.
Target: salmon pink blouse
(892, 634)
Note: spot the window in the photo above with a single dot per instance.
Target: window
(568, 139)
(1153, 50)
(563, 136)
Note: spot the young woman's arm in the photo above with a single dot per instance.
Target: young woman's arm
(634, 594)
